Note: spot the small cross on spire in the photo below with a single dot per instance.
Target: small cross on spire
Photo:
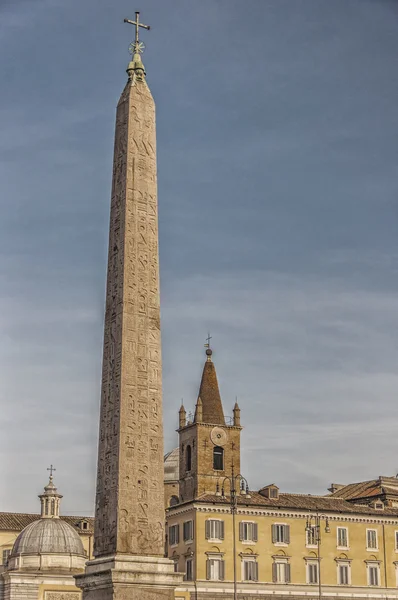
(51, 468)
(137, 47)
(209, 351)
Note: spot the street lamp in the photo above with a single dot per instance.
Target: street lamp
(316, 531)
(237, 483)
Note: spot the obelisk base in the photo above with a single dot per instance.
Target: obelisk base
(129, 577)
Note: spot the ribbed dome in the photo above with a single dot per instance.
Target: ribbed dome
(171, 465)
(47, 536)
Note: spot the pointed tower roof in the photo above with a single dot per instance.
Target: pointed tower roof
(209, 393)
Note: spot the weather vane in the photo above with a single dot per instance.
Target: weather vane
(137, 47)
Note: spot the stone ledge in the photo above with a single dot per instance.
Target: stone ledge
(129, 570)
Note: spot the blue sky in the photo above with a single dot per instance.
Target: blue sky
(277, 159)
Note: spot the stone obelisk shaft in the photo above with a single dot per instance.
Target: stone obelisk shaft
(129, 515)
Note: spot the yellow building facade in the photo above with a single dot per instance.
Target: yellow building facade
(267, 543)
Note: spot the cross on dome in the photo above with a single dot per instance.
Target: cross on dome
(51, 468)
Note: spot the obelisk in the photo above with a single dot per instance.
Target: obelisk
(129, 514)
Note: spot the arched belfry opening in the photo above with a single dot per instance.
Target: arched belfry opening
(188, 458)
(218, 458)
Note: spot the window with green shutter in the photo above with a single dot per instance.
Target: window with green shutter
(280, 533)
(214, 529)
(174, 535)
(215, 568)
(248, 531)
(250, 570)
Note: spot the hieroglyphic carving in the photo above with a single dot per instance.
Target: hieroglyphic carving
(62, 595)
(129, 507)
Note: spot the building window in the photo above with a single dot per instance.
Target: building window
(218, 458)
(188, 457)
(396, 541)
(374, 574)
(311, 534)
(371, 539)
(280, 534)
(188, 531)
(6, 556)
(249, 569)
(214, 529)
(248, 531)
(215, 568)
(281, 571)
(343, 573)
(189, 569)
(342, 537)
(312, 572)
(174, 535)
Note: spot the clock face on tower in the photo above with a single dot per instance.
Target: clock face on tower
(218, 436)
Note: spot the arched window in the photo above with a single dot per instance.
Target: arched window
(188, 462)
(47, 505)
(53, 506)
(173, 501)
(218, 458)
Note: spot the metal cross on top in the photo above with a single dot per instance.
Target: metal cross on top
(209, 337)
(137, 46)
(51, 469)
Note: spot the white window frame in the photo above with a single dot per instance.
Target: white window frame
(344, 563)
(188, 540)
(396, 573)
(373, 565)
(312, 563)
(249, 559)
(278, 561)
(6, 553)
(175, 527)
(313, 531)
(215, 558)
(214, 539)
(245, 525)
(340, 547)
(286, 527)
(369, 548)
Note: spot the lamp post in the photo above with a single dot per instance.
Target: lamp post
(316, 527)
(237, 483)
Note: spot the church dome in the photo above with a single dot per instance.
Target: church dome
(48, 544)
(48, 536)
(171, 465)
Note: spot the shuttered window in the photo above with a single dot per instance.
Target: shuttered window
(250, 570)
(281, 571)
(312, 572)
(215, 568)
(344, 574)
(189, 570)
(371, 539)
(342, 537)
(248, 531)
(174, 535)
(311, 534)
(280, 534)
(188, 531)
(214, 529)
(373, 575)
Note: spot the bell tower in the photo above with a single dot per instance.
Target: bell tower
(209, 444)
